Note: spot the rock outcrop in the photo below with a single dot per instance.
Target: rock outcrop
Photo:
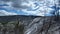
(29, 25)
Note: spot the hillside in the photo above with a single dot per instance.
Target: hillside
(20, 24)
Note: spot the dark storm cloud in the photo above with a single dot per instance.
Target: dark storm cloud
(7, 0)
(16, 3)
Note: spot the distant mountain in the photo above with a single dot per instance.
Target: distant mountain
(15, 17)
(22, 18)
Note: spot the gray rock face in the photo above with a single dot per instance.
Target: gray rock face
(29, 25)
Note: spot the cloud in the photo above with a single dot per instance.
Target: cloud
(3, 12)
(7, 0)
(31, 7)
(28, 3)
(59, 11)
(39, 10)
(15, 3)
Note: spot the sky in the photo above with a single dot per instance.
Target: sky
(29, 7)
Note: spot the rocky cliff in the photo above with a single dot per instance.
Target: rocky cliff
(20, 24)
